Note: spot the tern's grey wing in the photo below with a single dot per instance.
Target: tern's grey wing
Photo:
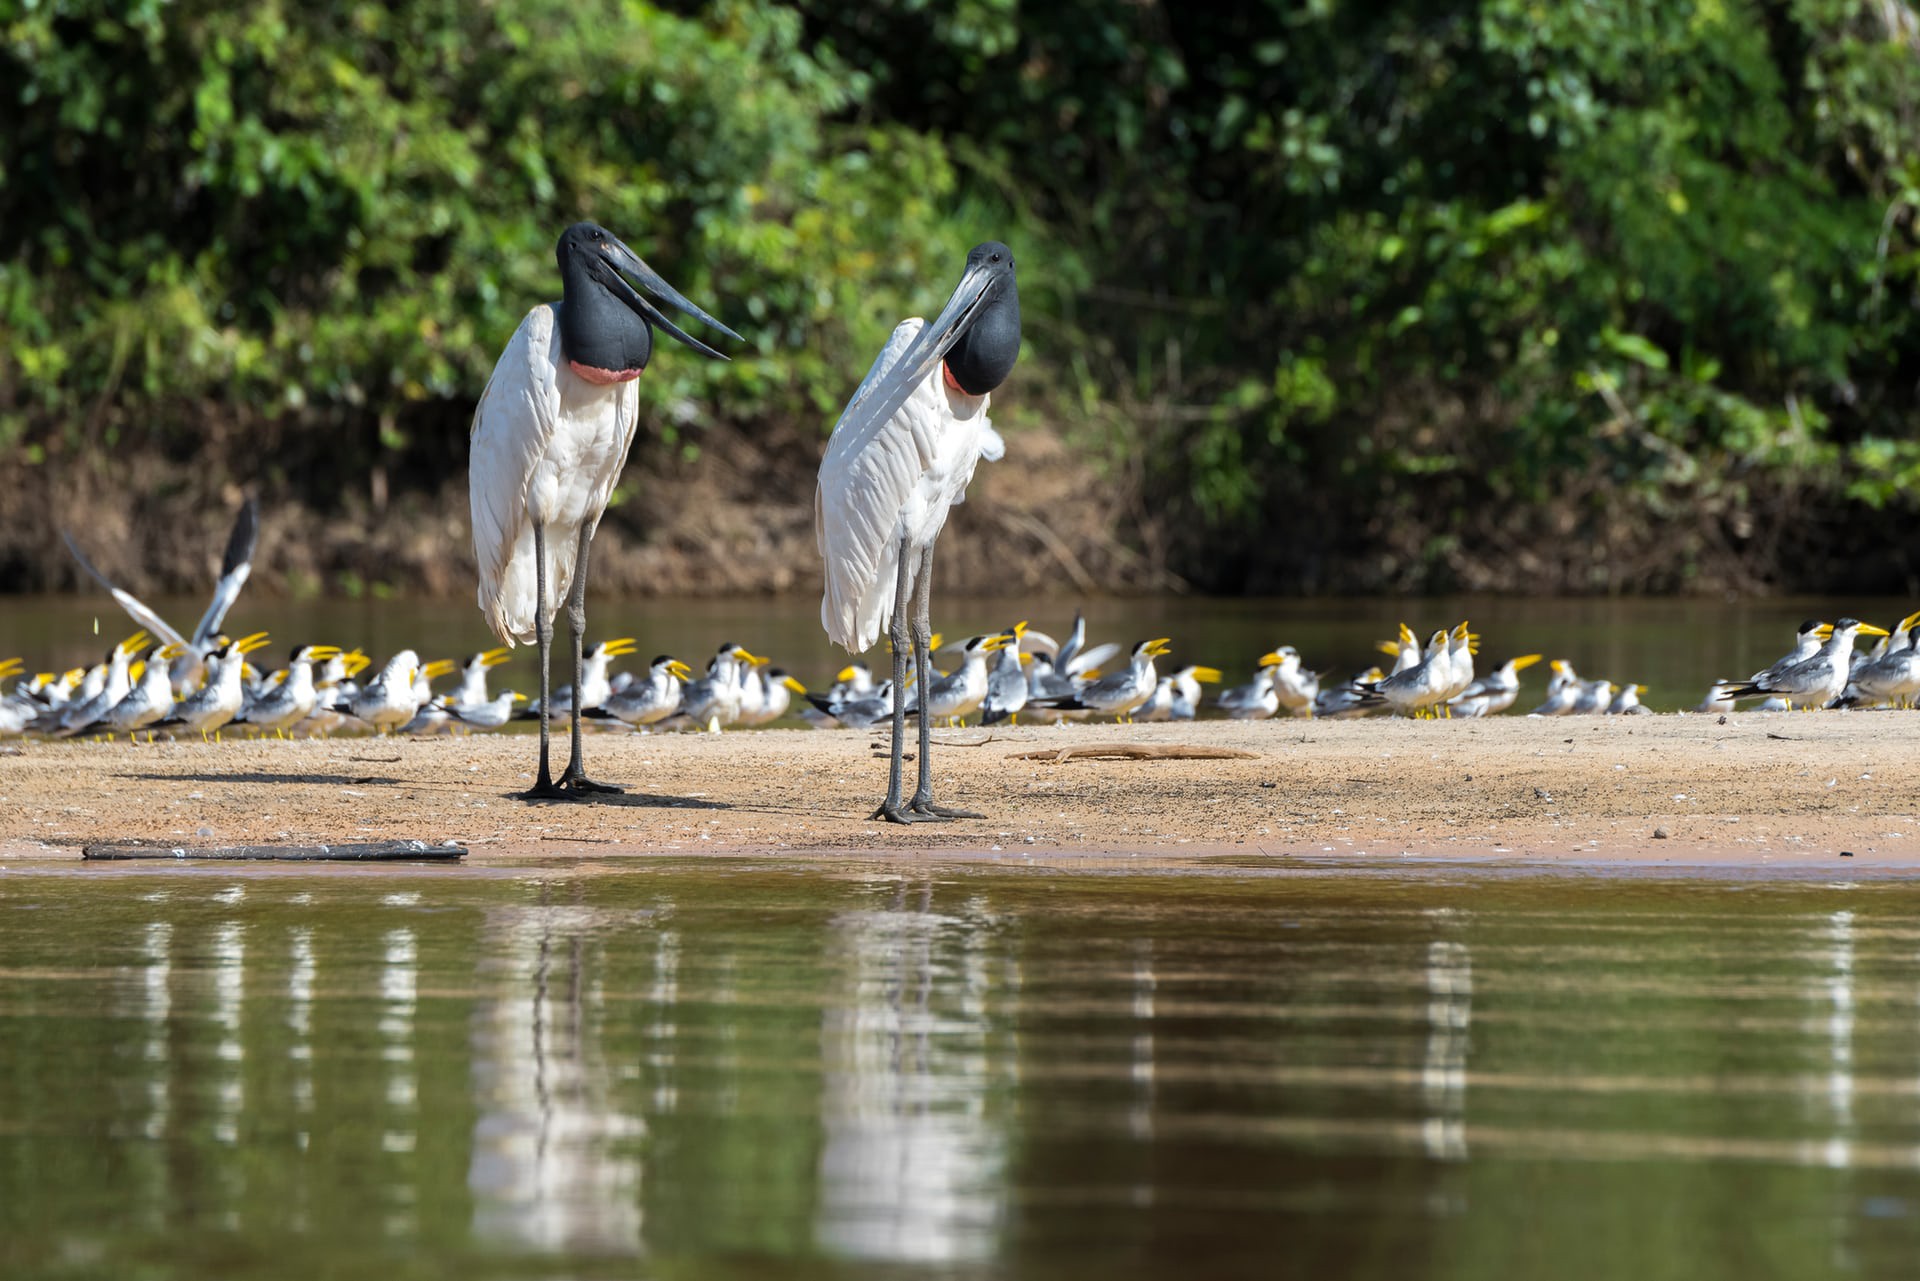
(1088, 659)
(138, 610)
(234, 568)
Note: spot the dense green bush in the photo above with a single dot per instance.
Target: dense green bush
(310, 208)
(1375, 288)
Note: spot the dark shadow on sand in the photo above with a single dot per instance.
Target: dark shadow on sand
(341, 780)
(628, 800)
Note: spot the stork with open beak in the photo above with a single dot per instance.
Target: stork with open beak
(550, 435)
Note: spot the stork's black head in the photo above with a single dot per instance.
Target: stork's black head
(603, 319)
(989, 340)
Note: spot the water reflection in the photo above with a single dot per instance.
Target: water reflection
(1839, 936)
(229, 953)
(978, 1074)
(550, 1171)
(1443, 1074)
(912, 1166)
(156, 1009)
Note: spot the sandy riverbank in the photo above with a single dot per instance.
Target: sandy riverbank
(1755, 789)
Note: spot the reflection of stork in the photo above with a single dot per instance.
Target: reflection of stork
(550, 436)
(551, 1166)
(1443, 1077)
(913, 1166)
(900, 457)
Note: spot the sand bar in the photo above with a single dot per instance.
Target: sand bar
(1833, 789)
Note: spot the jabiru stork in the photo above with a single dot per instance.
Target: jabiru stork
(899, 458)
(550, 435)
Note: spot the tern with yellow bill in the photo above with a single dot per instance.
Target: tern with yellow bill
(210, 708)
(1124, 692)
(1818, 680)
(1495, 692)
(286, 704)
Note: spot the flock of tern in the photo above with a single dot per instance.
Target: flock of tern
(203, 683)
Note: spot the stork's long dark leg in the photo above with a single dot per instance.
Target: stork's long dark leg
(922, 802)
(543, 787)
(575, 775)
(902, 639)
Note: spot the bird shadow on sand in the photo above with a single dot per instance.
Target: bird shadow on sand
(625, 800)
(342, 780)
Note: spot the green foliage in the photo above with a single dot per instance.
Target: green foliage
(349, 206)
(1340, 273)
(1494, 249)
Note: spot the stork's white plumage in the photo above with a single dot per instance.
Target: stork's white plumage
(885, 483)
(550, 436)
(548, 446)
(899, 459)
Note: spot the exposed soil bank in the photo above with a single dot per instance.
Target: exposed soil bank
(1789, 789)
(736, 519)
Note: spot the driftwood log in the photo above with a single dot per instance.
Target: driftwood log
(365, 852)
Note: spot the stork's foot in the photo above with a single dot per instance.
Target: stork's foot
(926, 809)
(546, 790)
(584, 786)
(894, 814)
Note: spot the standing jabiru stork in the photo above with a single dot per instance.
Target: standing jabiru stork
(550, 435)
(899, 458)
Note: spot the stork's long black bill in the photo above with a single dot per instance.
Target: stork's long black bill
(934, 342)
(625, 260)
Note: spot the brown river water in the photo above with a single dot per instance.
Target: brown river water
(750, 1068)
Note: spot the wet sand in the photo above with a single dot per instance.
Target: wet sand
(1823, 789)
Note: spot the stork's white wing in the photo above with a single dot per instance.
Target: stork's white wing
(512, 426)
(873, 461)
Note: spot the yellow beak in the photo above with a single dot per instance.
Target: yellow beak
(1210, 675)
(438, 667)
(1160, 647)
(1274, 660)
(680, 670)
(1525, 661)
(495, 657)
(1868, 629)
(619, 646)
(794, 685)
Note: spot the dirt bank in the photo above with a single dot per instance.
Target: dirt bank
(1799, 788)
(737, 518)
